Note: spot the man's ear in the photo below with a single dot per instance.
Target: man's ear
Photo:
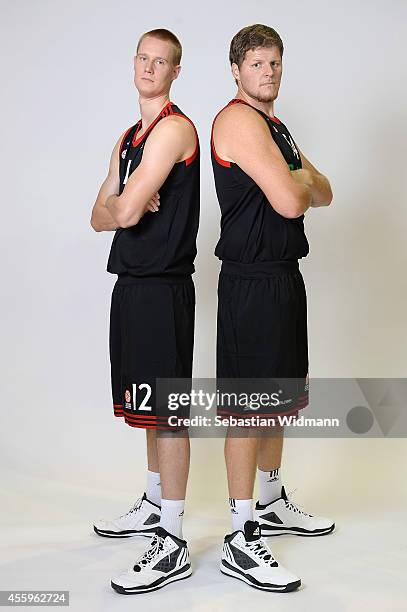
(177, 70)
(235, 71)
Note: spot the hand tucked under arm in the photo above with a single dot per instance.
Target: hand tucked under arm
(167, 144)
(112, 205)
(101, 219)
(318, 184)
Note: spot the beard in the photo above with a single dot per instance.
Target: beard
(265, 98)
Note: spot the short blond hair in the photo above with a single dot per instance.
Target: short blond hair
(167, 36)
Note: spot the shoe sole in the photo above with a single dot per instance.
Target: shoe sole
(286, 588)
(135, 591)
(122, 534)
(266, 531)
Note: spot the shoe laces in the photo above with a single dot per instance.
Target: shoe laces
(261, 550)
(136, 506)
(290, 505)
(156, 546)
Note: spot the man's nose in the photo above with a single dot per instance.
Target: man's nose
(149, 67)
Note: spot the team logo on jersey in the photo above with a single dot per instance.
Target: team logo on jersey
(124, 154)
(127, 396)
(292, 145)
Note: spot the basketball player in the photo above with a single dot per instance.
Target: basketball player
(151, 199)
(264, 184)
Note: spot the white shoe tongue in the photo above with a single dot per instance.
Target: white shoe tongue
(251, 530)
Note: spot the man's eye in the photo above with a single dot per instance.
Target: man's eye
(256, 64)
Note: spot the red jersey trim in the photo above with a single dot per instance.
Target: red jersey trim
(191, 158)
(222, 162)
(235, 100)
(163, 113)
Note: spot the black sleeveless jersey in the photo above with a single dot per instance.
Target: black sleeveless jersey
(251, 230)
(161, 243)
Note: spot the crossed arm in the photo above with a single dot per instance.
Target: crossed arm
(171, 141)
(321, 191)
(244, 138)
(101, 219)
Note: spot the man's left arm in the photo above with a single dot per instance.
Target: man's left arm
(165, 146)
(318, 183)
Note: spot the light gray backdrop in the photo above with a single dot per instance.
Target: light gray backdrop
(68, 93)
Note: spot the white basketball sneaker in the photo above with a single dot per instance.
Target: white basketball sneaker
(142, 519)
(246, 556)
(283, 516)
(165, 560)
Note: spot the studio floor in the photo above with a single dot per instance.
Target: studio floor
(48, 543)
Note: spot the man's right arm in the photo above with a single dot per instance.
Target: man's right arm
(246, 140)
(101, 219)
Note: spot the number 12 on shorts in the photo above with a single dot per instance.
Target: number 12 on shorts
(141, 387)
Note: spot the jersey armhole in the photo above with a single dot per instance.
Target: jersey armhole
(191, 158)
(222, 162)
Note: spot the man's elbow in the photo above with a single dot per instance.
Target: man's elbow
(331, 197)
(296, 206)
(327, 197)
(128, 218)
(325, 201)
(94, 224)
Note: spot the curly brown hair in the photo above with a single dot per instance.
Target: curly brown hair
(167, 36)
(251, 37)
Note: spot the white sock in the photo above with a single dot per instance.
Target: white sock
(242, 511)
(269, 485)
(153, 488)
(172, 513)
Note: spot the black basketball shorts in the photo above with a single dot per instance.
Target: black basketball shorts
(151, 336)
(262, 332)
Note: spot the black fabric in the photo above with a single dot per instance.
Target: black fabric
(251, 230)
(164, 242)
(151, 336)
(262, 323)
(262, 304)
